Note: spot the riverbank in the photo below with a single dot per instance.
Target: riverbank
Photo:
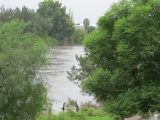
(82, 114)
(90, 113)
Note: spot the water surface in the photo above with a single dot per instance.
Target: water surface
(60, 88)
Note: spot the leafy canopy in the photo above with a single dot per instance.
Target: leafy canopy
(62, 24)
(124, 58)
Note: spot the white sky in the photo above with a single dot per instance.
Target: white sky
(81, 9)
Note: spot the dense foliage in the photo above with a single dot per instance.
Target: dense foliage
(24, 14)
(35, 23)
(62, 24)
(122, 63)
(22, 92)
(83, 114)
(51, 19)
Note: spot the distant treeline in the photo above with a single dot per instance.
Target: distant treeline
(50, 19)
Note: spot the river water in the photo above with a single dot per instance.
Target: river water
(60, 89)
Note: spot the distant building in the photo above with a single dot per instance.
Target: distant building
(81, 26)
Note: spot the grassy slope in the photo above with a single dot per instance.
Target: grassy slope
(83, 114)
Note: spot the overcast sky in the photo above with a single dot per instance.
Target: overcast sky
(81, 9)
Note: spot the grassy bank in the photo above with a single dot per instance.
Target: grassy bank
(82, 114)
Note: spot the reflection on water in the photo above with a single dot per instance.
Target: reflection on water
(60, 88)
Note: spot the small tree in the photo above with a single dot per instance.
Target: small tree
(86, 24)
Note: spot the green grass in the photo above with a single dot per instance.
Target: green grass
(100, 118)
(83, 114)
